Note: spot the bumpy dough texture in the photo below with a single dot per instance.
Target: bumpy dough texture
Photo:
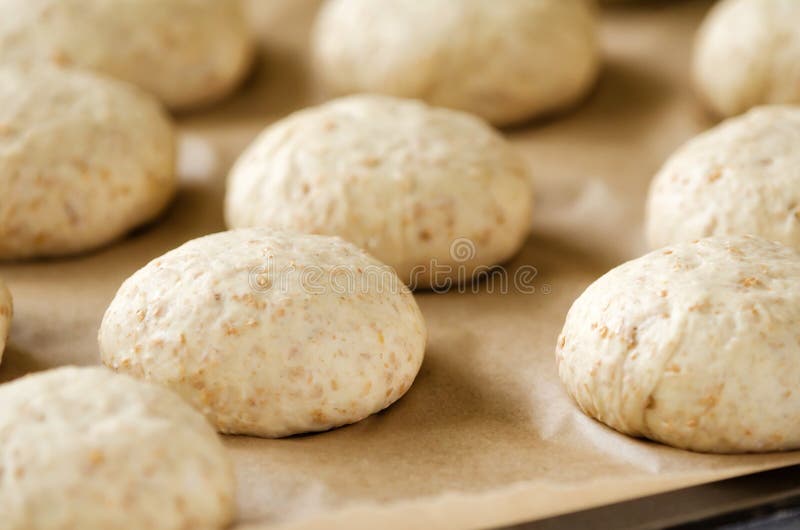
(695, 345)
(741, 177)
(747, 53)
(186, 52)
(84, 448)
(6, 311)
(405, 181)
(269, 333)
(503, 60)
(83, 159)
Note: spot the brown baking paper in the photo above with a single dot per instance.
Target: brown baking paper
(486, 435)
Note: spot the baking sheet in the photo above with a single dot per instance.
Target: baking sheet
(486, 435)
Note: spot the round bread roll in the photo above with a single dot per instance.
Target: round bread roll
(269, 333)
(747, 53)
(695, 345)
(6, 311)
(186, 52)
(84, 448)
(741, 177)
(504, 61)
(432, 192)
(83, 160)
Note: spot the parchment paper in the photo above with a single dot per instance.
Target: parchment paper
(486, 435)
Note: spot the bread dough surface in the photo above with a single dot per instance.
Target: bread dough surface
(741, 177)
(694, 345)
(84, 448)
(268, 333)
(83, 160)
(505, 61)
(432, 192)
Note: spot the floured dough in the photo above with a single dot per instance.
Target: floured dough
(268, 333)
(694, 345)
(432, 192)
(83, 159)
(741, 177)
(503, 60)
(186, 52)
(84, 448)
(747, 53)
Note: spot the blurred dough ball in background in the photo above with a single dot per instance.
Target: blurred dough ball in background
(741, 177)
(505, 61)
(747, 53)
(401, 179)
(186, 52)
(83, 160)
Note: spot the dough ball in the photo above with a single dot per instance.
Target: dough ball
(83, 160)
(6, 311)
(84, 448)
(505, 61)
(741, 177)
(186, 52)
(694, 345)
(747, 53)
(432, 192)
(269, 333)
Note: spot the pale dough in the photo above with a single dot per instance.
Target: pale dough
(505, 61)
(268, 333)
(87, 449)
(186, 52)
(83, 160)
(695, 345)
(432, 192)
(741, 177)
(747, 53)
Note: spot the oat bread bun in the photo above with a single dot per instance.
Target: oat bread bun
(694, 345)
(747, 53)
(505, 61)
(83, 160)
(6, 312)
(398, 178)
(268, 333)
(741, 177)
(84, 448)
(186, 52)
